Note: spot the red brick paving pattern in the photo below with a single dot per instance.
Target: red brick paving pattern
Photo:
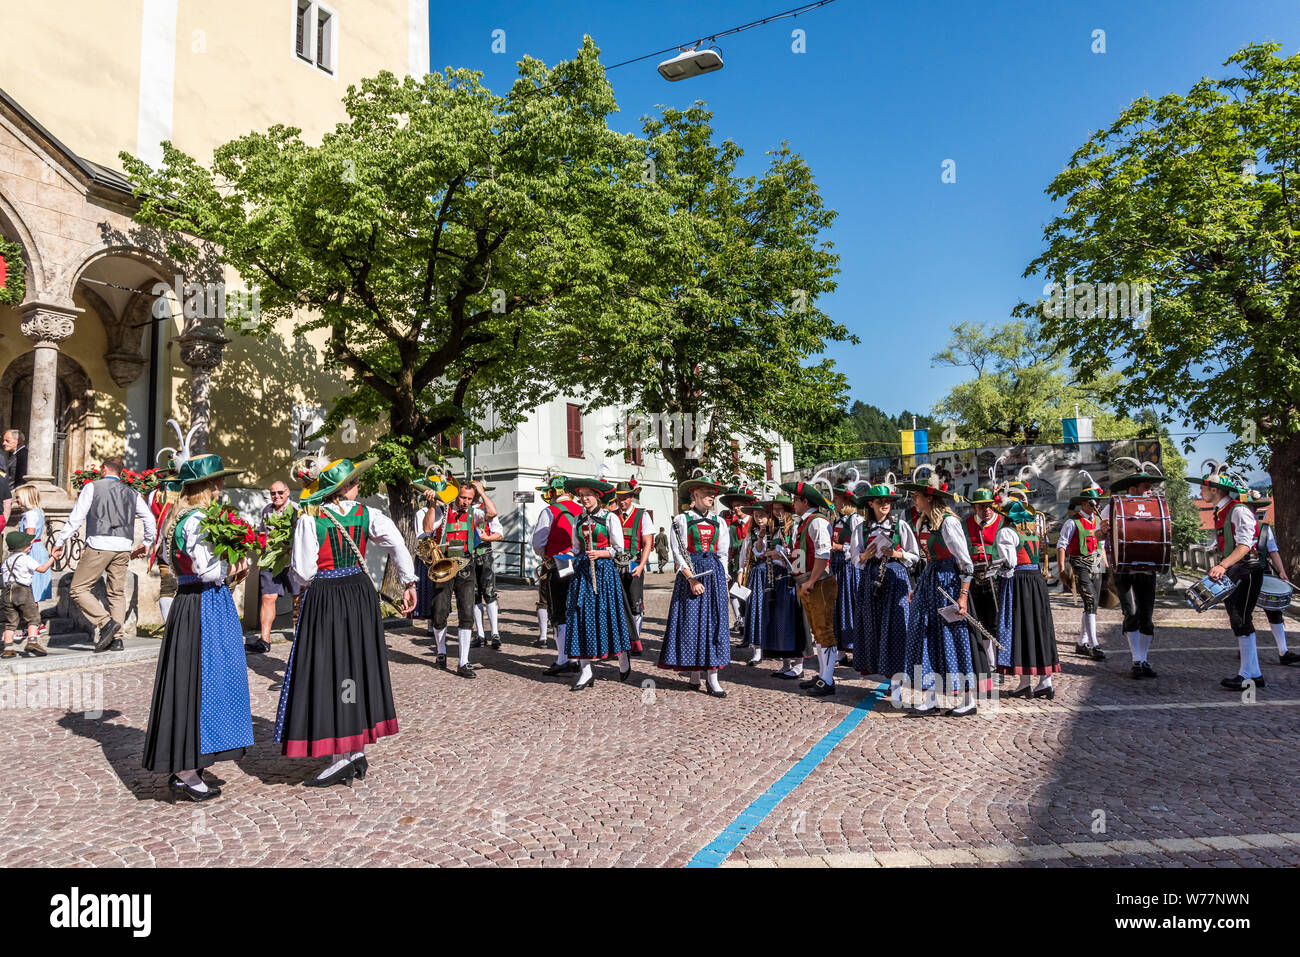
(512, 769)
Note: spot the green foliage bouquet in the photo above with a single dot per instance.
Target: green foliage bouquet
(277, 542)
(230, 536)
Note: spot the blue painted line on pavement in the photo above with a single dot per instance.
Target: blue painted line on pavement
(718, 850)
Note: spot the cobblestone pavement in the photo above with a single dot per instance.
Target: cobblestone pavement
(512, 769)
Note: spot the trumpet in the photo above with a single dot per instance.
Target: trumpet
(442, 568)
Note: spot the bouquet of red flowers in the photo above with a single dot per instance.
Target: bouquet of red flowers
(230, 536)
(143, 482)
(80, 477)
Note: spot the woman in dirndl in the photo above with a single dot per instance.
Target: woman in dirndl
(753, 555)
(884, 593)
(337, 697)
(597, 618)
(696, 639)
(938, 651)
(783, 638)
(200, 712)
(846, 524)
(1025, 629)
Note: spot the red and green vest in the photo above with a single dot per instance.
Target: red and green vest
(844, 529)
(701, 533)
(1029, 548)
(804, 540)
(180, 561)
(560, 537)
(1085, 536)
(1223, 530)
(595, 528)
(932, 543)
(983, 539)
(632, 531)
(334, 551)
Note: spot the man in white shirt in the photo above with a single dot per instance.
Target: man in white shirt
(109, 509)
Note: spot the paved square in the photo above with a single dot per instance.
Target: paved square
(512, 769)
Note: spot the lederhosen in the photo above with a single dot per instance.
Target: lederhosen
(818, 606)
(457, 530)
(560, 539)
(485, 575)
(983, 552)
(1247, 573)
(1084, 551)
(1137, 599)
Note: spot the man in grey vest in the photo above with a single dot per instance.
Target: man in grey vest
(109, 508)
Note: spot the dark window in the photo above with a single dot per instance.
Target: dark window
(575, 430)
(324, 40)
(302, 39)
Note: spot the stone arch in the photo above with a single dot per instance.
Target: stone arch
(162, 267)
(12, 225)
(76, 394)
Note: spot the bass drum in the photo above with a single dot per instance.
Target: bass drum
(1141, 534)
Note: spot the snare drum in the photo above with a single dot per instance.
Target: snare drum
(1275, 594)
(1207, 592)
(1141, 534)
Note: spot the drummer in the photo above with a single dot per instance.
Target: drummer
(1137, 590)
(1266, 542)
(1235, 524)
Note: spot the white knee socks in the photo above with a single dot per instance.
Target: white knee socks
(440, 636)
(757, 656)
(829, 658)
(585, 675)
(1145, 645)
(624, 660)
(1279, 635)
(542, 615)
(636, 620)
(1046, 682)
(340, 761)
(1134, 645)
(562, 658)
(478, 620)
(713, 680)
(1091, 629)
(1249, 656)
(462, 638)
(493, 609)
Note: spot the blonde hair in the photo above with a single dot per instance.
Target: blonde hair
(196, 495)
(937, 511)
(29, 495)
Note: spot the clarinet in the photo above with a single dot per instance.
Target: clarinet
(591, 562)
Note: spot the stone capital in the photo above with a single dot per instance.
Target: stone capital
(47, 326)
(124, 367)
(201, 349)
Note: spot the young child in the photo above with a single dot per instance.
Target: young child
(20, 608)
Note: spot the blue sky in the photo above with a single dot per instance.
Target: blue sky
(884, 94)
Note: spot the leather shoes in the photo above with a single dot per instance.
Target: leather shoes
(1290, 658)
(821, 689)
(117, 645)
(1083, 650)
(781, 674)
(539, 642)
(1097, 655)
(476, 642)
(1136, 673)
(34, 647)
(1238, 683)
(442, 662)
(712, 693)
(1024, 692)
(465, 671)
(495, 642)
(258, 647)
(1146, 671)
(558, 669)
(810, 683)
(1049, 693)
(584, 685)
(624, 675)
(106, 633)
(954, 713)
(179, 788)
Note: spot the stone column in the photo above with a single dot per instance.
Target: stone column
(46, 326)
(201, 350)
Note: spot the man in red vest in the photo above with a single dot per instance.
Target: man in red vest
(459, 532)
(982, 527)
(638, 540)
(1081, 539)
(553, 541)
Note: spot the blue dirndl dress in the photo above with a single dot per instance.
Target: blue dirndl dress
(40, 580)
(880, 631)
(756, 616)
(937, 648)
(847, 610)
(696, 636)
(597, 619)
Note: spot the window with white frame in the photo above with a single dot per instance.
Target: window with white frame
(315, 35)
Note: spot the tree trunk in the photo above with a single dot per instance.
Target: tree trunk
(1284, 468)
(401, 509)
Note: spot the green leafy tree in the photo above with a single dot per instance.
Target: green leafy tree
(437, 235)
(724, 301)
(1196, 195)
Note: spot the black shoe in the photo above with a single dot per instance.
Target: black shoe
(1146, 671)
(558, 669)
(465, 671)
(781, 674)
(811, 682)
(1083, 651)
(1097, 654)
(362, 766)
(1290, 658)
(1238, 683)
(117, 645)
(278, 686)
(442, 662)
(821, 689)
(258, 647)
(624, 675)
(1136, 673)
(1024, 692)
(584, 685)
(106, 634)
(955, 713)
(751, 662)
(713, 694)
(1049, 693)
(343, 775)
(495, 642)
(539, 642)
(922, 712)
(477, 642)
(179, 787)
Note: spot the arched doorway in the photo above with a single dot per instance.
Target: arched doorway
(73, 404)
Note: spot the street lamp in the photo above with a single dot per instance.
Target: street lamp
(691, 63)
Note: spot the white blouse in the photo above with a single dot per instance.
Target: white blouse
(869, 537)
(206, 566)
(722, 548)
